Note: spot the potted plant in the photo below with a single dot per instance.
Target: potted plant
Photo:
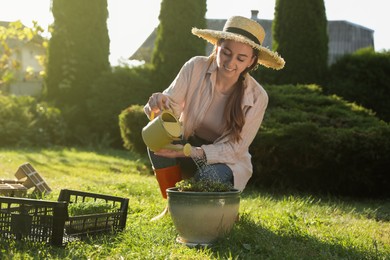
(202, 211)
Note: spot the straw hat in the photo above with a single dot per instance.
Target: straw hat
(247, 31)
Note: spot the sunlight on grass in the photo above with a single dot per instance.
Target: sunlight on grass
(330, 226)
(271, 225)
(77, 169)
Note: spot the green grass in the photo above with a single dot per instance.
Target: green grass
(272, 225)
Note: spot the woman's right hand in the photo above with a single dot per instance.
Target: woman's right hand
(158, 102)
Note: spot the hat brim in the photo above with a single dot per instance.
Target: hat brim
(267, 58)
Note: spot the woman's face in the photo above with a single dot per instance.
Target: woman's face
(233, 58)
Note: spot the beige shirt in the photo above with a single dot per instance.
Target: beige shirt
(213, 123)
(191, 94)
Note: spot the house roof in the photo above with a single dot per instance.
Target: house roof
(344, 37)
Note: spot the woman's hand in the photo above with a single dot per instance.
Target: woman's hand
(158, 102)
(177, 152)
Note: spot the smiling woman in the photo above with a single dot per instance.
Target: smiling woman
(219, 104)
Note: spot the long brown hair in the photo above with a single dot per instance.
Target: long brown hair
(233, 115)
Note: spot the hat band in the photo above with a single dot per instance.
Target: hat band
(243, 33)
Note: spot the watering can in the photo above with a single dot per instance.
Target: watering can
(161, 131)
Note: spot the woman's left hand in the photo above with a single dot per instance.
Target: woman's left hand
(177, 152)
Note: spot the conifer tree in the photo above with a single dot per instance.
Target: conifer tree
(300, 36)
(77, 55)
(175, 43)
(78, 49)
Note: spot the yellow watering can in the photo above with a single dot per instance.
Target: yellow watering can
(161, 131)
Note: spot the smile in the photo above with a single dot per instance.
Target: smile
(226, 68)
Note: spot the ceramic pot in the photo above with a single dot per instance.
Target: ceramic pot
(201, 218)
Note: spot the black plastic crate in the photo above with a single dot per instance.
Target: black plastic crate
(49, 221)
(33, 220)
(89, 224)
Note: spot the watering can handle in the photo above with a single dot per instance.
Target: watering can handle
(151, 115)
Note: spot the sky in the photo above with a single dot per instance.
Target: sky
(130, 22)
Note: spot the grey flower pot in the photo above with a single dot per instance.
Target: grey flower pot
(201, 218)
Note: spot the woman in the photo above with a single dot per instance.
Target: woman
(219, 104)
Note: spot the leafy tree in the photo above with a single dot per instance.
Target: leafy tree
(12, 36)
(175, 43)
(78, 54)
(300, 36)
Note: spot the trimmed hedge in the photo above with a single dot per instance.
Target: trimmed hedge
(306, 157)
(363, 77)
(317, 143)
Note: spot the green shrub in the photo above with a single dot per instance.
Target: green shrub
(24, 121)
(363, 77)
(112, 93)
(131, 122)
(47, 126)
(319, 143)
(14, 119)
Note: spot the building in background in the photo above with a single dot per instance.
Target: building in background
(344, 38)
(27, 77)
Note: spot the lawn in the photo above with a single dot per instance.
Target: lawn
(272, 225)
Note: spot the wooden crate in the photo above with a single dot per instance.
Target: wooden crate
(32, 178)
(10, 181)
(12, 189)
